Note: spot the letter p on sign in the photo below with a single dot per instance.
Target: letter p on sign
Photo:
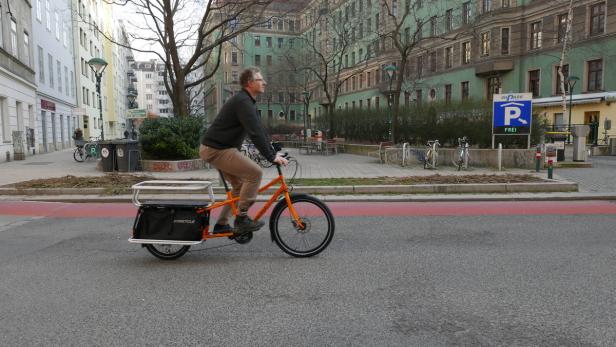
(511, 113)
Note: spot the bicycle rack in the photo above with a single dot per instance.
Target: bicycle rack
(172, 186)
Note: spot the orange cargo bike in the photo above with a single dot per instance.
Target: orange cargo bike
(300, 224)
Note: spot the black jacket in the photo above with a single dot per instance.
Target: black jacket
(238, 118)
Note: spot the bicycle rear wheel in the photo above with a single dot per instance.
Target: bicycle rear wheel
(166, 251)
(311, 238)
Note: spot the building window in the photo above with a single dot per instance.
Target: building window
(268, 60)
(257, 60)
(48, 14)
(57, 16)
(448, 93)
(280, 42)
(26, 48)
(464, 90)
(50, 66)
(448, 57)
(41, 63)
(533, 82)
(433, 26)
(59, 75)
(562, 27)
(597, 19)
(418, 96)
(493, 87)
(257, 41)
(485, 43)
(506, 3)
(432, 61)
(449, 20)
(486, 6)
(14, 49)
(466, 52)
(39, 10)
(535, 35)
(595, 75)
(419, 66)
(234, 58)
(504, 41)
(558, 80)
(466, 12)
(268, 40)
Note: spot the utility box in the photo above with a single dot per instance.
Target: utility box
(612, 146)
(579, 141)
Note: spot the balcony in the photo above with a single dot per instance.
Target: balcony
(493, 67)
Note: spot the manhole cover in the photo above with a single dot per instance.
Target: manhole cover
(40, 163)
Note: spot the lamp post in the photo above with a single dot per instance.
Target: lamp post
(306, 102)
(98, 66)
(132, 95)
(571, 80)
(390, 70)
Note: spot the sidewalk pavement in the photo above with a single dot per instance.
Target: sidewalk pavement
(593, 182)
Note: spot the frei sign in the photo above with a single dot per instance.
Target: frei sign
(512, 114)
(135, 113)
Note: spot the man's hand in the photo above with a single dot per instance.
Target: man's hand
(280, 160)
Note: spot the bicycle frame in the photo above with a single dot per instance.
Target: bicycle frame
(231, 200)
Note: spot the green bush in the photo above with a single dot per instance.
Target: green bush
(174, 138)
(419, 123)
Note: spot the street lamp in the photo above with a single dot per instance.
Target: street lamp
(571, 80)
(98, 66)
(306, 102)
(390, 70)
(132, 95)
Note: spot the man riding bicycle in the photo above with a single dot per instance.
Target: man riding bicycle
(220, 147)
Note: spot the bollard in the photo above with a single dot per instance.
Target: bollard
(550, 169)
(538, 159)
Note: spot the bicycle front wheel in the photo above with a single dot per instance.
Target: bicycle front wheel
(78, 155)
(315, 233)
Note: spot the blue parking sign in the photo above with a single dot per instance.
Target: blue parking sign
(512, 114)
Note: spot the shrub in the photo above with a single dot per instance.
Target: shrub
(419, 123)
(174, 138)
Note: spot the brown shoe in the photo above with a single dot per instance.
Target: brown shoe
(243, 224)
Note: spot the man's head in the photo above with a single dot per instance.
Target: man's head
(252, 81)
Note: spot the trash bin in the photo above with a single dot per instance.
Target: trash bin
(127, 155)
(108, 156)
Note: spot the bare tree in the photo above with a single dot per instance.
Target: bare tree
(187, 36)
(412, 30)
(322, 59)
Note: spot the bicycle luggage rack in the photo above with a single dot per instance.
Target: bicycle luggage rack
(171, 186)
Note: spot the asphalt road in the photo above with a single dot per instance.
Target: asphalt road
(431, 274)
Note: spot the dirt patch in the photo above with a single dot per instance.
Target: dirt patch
(115, 183)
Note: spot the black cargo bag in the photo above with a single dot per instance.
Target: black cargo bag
(170, 222)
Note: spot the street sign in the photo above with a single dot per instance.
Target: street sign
(512, 114)
(135, 113)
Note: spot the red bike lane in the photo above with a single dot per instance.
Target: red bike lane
(339, 209)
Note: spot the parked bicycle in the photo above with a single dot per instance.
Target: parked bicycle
(430, 159)
(462, 155)
(301, 225)
(86, 150)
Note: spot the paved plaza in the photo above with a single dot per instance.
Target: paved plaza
(600, 178)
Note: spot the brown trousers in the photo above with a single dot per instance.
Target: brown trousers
(243, 174)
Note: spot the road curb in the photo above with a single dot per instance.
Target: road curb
(463, 188)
